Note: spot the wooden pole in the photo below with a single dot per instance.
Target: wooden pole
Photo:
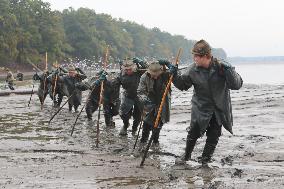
(160, 111)
(101, 100)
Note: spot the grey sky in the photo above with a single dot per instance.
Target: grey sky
(241, 27)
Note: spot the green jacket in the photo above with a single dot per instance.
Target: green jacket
(211, 93)
(150, 90)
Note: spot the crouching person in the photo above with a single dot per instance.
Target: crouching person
(150, 92)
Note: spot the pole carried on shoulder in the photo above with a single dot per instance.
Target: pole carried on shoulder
(157, 121)
(101, 100)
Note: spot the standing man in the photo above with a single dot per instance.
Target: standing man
(150, 92)
(55, 86)
(44, 85)
(20, 76)
(75, 76)
(129, 79)
(212, 80)
(10, 79)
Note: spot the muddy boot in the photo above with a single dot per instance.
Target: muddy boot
(145, 133)
(123, 130)
(156, 136)
(89, 118)
(70, 107)
(142, 146)
(59, 100)
(76, 108)
(134, 127)
(207, 153)
(108, 121)
(190, 143)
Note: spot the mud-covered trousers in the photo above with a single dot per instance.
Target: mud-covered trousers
(110, 109)
(130, 107)
(213, 132)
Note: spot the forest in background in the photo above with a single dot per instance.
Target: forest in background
(29, 28)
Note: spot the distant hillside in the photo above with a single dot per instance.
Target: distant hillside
(265, 59)
(28, 29)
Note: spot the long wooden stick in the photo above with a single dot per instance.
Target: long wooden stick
(44, 82)
(54, 88)
(45, 60)
(160, 111)
(101, 100)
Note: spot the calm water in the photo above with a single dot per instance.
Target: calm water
(261, 73)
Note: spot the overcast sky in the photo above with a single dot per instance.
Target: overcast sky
(241, 27)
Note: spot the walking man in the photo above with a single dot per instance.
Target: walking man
(212, 80)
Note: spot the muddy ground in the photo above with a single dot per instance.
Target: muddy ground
(34, 154)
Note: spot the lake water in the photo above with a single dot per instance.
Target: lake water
(261, 73)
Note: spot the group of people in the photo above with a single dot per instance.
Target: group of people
(143, 85)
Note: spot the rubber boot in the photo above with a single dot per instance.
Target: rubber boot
(134, 127)
(70, 107)
(156, 136)
(59, 100)
(190, 143)
(123, 130)
(207, 153)
(145, 133)
(108, 121)
(76, 108)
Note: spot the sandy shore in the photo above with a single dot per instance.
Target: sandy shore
(34, 154)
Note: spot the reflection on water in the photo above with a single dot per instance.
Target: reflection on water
(261, 73)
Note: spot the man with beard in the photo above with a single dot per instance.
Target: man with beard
(150, 92)
(212, 80)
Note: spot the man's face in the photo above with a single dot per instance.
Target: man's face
(72, 73)
(202, 61)
(128, 71)
(155, 76)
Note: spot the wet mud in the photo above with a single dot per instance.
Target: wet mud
(35, 154)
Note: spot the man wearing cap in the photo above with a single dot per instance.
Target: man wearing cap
(111, 100)
(44, 85)
(212, 80)
(69, 87)
(150, 92)
(129, 80)
(56, 89)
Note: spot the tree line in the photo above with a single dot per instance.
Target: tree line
(29, 28)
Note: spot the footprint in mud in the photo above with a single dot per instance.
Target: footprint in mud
(259, 138)
(227, 160)
(237, 173)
